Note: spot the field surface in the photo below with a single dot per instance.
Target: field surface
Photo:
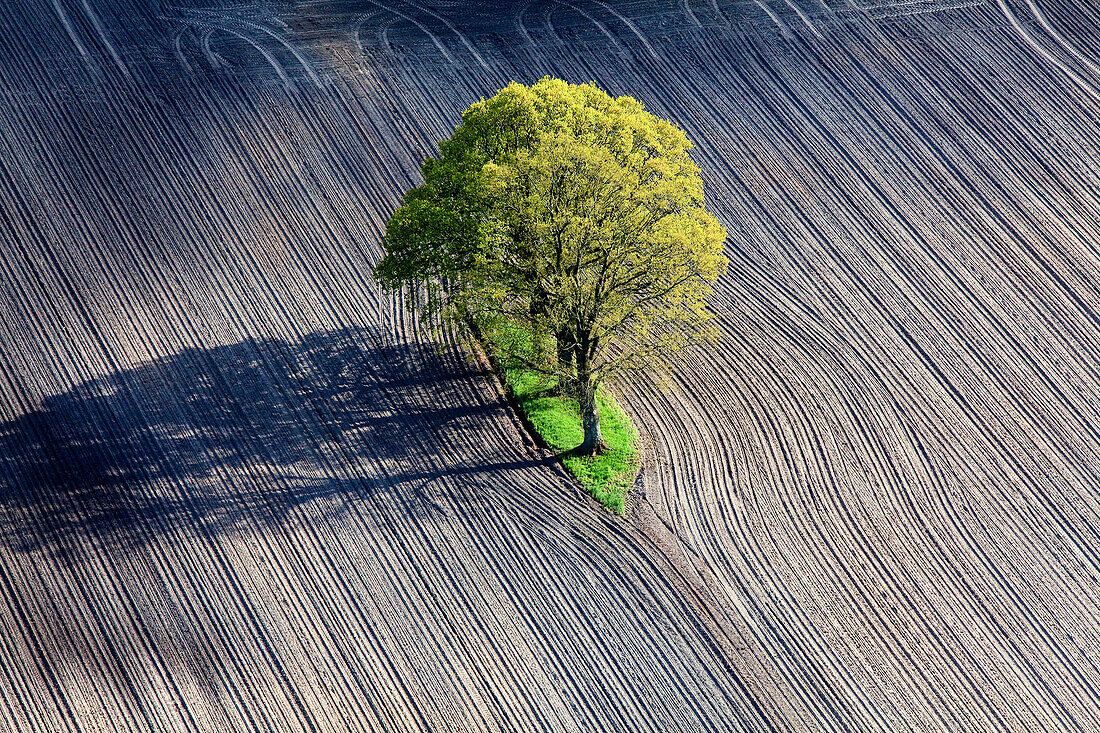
(240, 492)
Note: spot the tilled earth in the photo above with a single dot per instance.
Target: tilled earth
(239, 491)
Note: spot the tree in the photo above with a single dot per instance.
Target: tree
(570, 227)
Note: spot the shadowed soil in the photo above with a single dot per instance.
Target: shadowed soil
(239, 491)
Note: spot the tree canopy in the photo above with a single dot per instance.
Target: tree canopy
(568, 225)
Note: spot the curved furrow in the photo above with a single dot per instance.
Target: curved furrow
(240, 490)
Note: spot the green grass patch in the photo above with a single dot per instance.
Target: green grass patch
(607, 476)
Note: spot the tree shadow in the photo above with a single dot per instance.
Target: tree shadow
(220, 439)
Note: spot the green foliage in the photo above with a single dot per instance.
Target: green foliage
(572, 217)
(567, 210)
(607, 476)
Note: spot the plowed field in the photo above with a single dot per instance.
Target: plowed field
(239, 491)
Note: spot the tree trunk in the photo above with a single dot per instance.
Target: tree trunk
(566, 349)
(590, 415)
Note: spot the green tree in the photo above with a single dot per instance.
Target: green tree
(570, 227)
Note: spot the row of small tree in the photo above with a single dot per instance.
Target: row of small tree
(569, 228)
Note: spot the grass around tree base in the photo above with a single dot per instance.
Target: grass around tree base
(608, 476)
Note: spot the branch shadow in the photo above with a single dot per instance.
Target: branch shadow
(220, 439)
